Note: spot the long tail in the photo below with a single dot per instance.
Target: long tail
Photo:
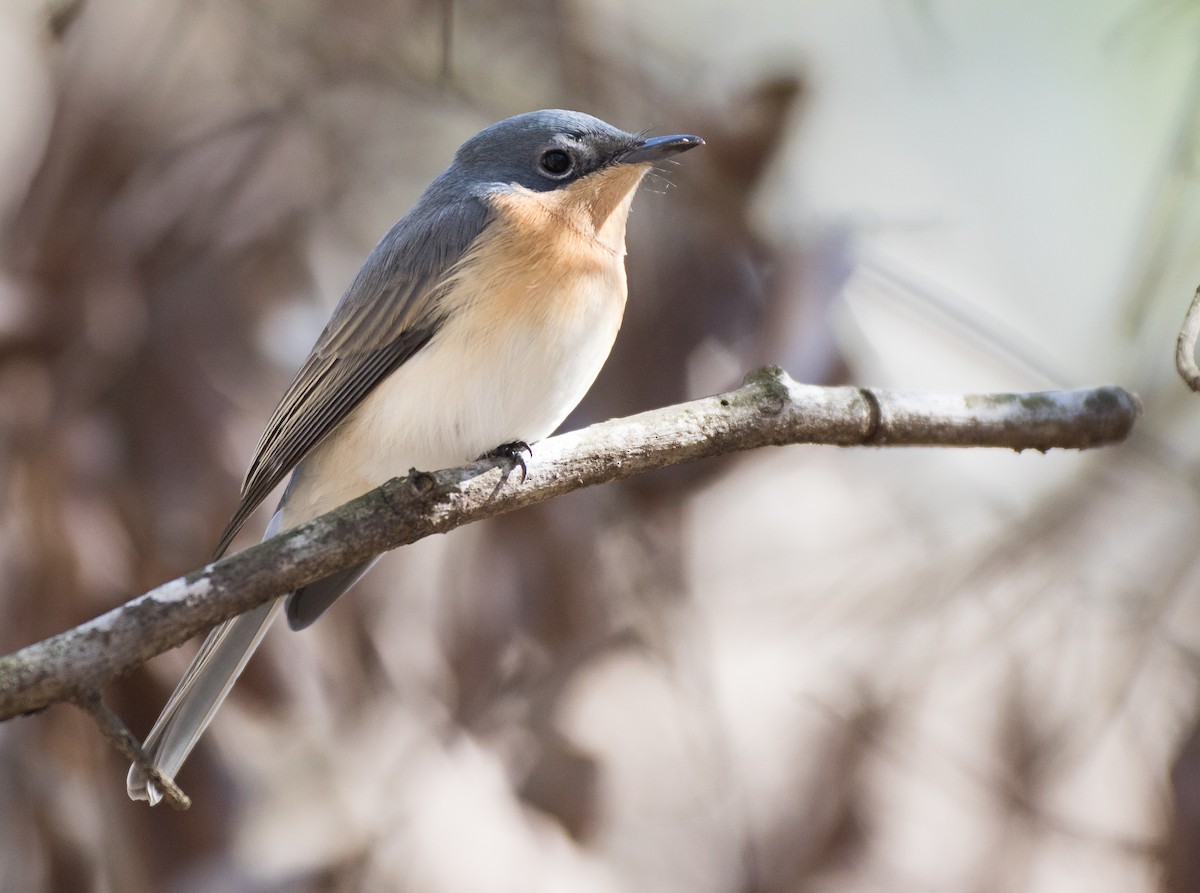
(217, 666)
(196, 699)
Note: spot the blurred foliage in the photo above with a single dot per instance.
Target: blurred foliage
(792, 672)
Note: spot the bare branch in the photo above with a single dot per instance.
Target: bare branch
(770, 409)
(1185, 346)
(126, 743)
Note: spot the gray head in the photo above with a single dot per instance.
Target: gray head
(553, 148)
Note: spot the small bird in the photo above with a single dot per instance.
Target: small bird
(474, 327)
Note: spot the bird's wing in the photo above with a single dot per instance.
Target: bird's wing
(390, 311)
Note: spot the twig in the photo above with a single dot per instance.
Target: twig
(124, 741)
(770, 409)
(1185, 346)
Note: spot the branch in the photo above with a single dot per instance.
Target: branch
(770, 409)
(1185, 345)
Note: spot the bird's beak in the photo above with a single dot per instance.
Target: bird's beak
(658, 147)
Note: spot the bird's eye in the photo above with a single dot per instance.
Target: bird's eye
(555, 163)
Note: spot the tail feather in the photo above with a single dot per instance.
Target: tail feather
(217, 666)
(195, 700)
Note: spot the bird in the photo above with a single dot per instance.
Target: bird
(474, 327)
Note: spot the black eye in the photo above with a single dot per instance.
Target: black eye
(555, 163)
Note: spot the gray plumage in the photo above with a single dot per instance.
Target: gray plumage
(390, 311)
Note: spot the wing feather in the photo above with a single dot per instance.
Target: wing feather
(390, 311)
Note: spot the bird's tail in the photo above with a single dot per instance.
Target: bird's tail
(196, 699)
(217, 666)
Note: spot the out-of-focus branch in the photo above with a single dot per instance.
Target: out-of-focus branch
(1185, 345)
(770, 409)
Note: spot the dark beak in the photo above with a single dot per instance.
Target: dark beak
(658, 147)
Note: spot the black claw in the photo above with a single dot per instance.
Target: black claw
(512, 452)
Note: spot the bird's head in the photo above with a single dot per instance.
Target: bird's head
(572, 162)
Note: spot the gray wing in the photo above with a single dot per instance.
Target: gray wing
(390, 312)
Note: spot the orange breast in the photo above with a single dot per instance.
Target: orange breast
(548, 257)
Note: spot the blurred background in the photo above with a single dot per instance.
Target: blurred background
(804, 669)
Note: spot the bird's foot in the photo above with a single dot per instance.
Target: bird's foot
(512, 452)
